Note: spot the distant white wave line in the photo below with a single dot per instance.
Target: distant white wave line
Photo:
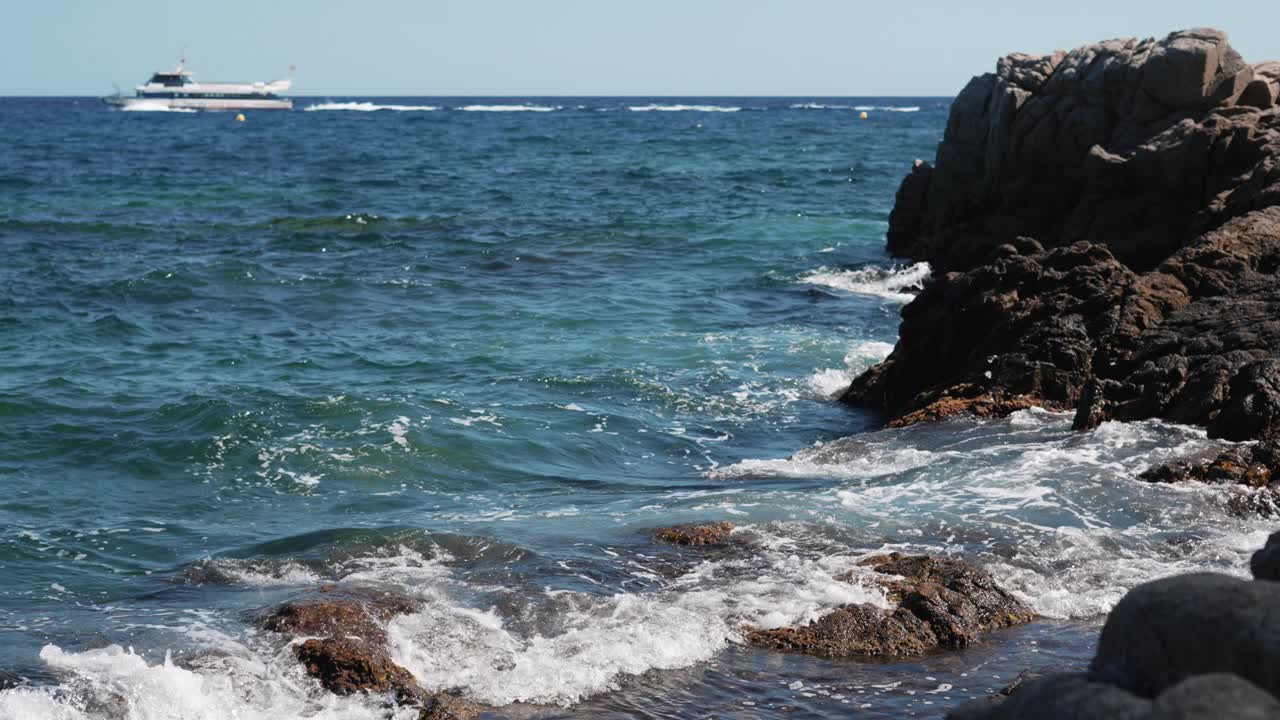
(368, 107)
(863, 108)
(509, 108)
(683, 108)
(891, 283)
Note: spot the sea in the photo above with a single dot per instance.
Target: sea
(475, 350)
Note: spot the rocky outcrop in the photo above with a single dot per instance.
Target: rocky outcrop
(345, 647)
(1121, 143)
(940, 603)
(716, 534)
(1253, 467)
(1104, 226)
(1183, 647)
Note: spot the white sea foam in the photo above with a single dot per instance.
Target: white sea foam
(237, 683)
(263, 573)
(829, 383)
(890, 283)
(1058, 516)
(602, 639)
(368, 107)
(653, 107)
(509, 108)
(888, 108)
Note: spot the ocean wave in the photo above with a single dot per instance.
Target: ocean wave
(550, 646)
(891, 283)
(653, 107)
(862, 108)
(1057, 516)
(594, 641)
(830, 383)
(509, 108)
(368, 107)
(237, 680)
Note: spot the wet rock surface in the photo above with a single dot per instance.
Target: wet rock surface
(1104, 228)
(345, 647)
(941, 603)
(1193, 646)
(717, 534)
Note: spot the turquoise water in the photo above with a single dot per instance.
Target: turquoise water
(476, 355)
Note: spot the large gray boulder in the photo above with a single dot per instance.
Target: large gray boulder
(1166, 631)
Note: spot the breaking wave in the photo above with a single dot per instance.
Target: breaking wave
(509, 108)
(368, 107)
(682, 108)
(1058, 516)
(892, 283)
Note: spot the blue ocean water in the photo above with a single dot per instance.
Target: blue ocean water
(475, 350)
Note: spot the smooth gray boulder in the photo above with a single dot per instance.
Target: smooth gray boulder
(1265, 563)
(1166, 631)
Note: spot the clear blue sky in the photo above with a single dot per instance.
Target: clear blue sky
(585, 47)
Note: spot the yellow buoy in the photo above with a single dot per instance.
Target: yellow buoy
(240, 117)
(862, 115)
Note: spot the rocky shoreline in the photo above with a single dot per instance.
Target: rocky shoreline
(1104, 231)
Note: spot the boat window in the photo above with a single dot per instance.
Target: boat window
(168, 79)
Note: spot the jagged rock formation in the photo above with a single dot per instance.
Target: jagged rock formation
(1186, 647)
(1104, 226)
(941, 603)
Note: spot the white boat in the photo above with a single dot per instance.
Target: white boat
(178, 90)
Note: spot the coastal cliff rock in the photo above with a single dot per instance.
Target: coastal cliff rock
(1104, 228)
(1148, 665)
(345, 647)
(941, 603)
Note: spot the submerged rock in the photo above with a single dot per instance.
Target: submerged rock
(941, 603)
(1104, 227)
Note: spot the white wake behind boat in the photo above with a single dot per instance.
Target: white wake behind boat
(177, 89)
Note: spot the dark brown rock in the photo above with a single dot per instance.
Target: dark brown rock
(853, 631)
(697, 534)
(1254, 466)
(347, 612)
(346, 665)
(942, 603)
(346, 650)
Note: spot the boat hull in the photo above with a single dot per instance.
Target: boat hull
(144, 103)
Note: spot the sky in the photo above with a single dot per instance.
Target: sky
(578, 47)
